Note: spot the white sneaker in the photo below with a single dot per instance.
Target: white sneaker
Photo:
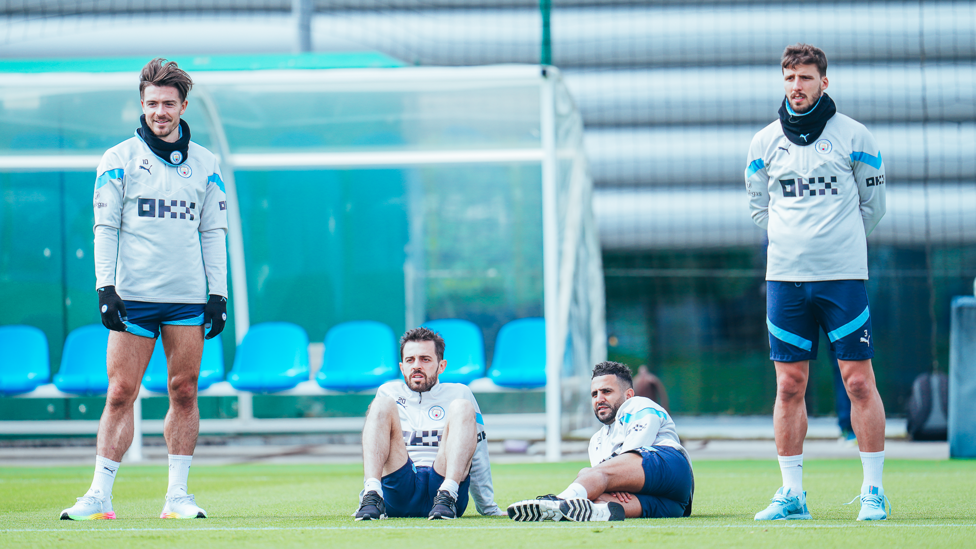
(91, 506)
(536, 510)
(182, 507)
(584, 510)
(554, 508)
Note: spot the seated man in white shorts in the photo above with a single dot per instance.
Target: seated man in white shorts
(638, 467)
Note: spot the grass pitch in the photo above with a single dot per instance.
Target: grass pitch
(285, 506)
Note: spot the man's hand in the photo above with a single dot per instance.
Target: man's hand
(214, 316)
(622, 497)
(112, 309)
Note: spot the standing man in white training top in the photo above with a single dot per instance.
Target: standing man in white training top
(160, 229)
(424, 442)
(816, 183)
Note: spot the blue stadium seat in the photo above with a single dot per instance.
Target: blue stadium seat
(359, 355)
(520, 355)
(211, 366)
(24, 360)
(83, 370)
(272, 357)
(465, 349)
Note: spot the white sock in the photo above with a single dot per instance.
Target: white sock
(575, 491)
(179, 470)
(451, 486)
(373, 485)
(792, 469)
(873, 464)
(105, 471)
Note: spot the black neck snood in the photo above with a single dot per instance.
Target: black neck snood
(804, 129)
(174, 153)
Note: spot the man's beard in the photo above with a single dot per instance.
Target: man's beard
(612, 410)
(423, 386)
(164, 136)
(813, 103)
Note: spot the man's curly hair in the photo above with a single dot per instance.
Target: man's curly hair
(610, 368)
(424, 334)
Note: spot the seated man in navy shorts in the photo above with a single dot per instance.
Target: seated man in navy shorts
(424, 442)
(639, 468)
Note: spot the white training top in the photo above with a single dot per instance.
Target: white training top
(640, 423)
(160, 229)
(423, 417)
(818, 202)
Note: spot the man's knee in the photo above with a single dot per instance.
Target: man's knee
(790, 385)
(461, 408)
(183, 390)
(381, 408)
(860, 386)
(121, 393)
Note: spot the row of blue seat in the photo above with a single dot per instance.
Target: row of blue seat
(273, 357)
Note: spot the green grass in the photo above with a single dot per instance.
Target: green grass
(309, 506)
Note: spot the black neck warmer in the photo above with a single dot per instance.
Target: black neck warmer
(174, 153)
(804, 129)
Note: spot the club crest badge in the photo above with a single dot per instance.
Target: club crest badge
(824, 146)
(436, 413)
(176, 157)
(184, 171)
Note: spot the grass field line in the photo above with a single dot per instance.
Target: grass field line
(493, 527)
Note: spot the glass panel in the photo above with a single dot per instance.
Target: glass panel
(324, 247)
(483, 241)
(31, 258)
(259, 118)
(36, 121)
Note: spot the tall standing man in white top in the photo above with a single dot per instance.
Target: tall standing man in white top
(160, 229)
(816, 183)
(638, 467)
(424, 442)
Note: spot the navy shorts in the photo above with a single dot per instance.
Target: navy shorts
(795, 312)
(410, 490)
(668, 483)
(146, 319)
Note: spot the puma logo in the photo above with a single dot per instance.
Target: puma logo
(786, 148)
(145, 168)
(804, 136)
(866, 338)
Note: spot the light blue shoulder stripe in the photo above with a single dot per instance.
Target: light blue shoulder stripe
(117, 173)
(850, 327)
(627, 418)
(215, 178)
(788, 337)
(867, 158)
(756, 165)
(479, 419)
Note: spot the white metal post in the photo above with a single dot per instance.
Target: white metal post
(550, 269)
(235, 240)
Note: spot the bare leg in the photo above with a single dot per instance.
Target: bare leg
(867, 410)
(623, 473)
(126, 359)
(184, 348)
(384, 451)
(632, 507)
(458, 442)
(790, 412)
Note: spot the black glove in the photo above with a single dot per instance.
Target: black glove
(214, 316)
(112, 309)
